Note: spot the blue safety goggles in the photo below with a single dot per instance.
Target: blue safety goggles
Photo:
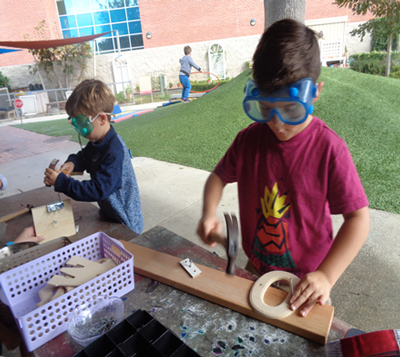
(291, 103)
(83, 124)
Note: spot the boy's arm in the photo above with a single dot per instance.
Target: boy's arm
(101, 185)
(209, 220)
(315, 287)
(191, 62)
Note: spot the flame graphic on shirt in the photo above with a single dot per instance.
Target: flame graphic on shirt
(271, 245)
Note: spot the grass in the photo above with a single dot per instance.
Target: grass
(363, 109)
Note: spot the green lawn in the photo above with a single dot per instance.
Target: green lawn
(363, 109)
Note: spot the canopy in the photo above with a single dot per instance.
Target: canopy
(37, 45)
(6, 50)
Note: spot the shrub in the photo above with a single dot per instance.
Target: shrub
(4, 81)
(373, 62)
(120, 97)
(204, 85)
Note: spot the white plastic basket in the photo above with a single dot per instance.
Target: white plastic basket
(20, 286)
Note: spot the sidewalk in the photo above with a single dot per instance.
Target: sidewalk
(367, 295)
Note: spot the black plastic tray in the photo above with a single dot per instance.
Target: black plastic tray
(139, 335)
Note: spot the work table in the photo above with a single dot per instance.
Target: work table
(207, 328)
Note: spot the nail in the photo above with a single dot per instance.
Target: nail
(293, 307)
(302, 313)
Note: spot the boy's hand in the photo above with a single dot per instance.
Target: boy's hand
(50, 177)
(312, 288)
(68, 168)
(28, 235)
(206, 225)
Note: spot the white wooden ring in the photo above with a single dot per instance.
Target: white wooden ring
(259, 289)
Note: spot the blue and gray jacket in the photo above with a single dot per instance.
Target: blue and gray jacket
(186, 64)
(112, 181)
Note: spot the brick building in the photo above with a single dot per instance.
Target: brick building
(146, 25)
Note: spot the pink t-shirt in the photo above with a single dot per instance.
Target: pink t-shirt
(287, 193)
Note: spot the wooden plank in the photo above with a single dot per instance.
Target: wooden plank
(228, 291)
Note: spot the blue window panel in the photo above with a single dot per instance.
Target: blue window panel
(86, 31)
(105, 45)
(137, 41)
(84, 20)
(68, 22)
(118, 15)
(61, 8)
(132, 3)
(133, 13)
(70, 33)
(124, 42)
(104, 28)
(69, 7)
(101, 17)
(99, 5)
(115, 4)
(82, 6)
(122, 28)
(135, 27)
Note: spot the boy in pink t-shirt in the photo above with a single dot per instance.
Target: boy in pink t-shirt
(292, 171)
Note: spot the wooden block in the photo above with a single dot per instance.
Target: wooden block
(228, 291)
(54, 224)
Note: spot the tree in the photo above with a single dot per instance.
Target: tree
(66, 59)
(386, 21)
(284, 9)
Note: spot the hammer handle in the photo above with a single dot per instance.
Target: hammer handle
(217, 238)
(13, 215)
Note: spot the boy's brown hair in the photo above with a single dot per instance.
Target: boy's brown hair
(287, 52)
(90, 97)
(187, 50)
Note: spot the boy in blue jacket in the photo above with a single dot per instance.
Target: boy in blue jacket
(186, 65)
(106, 158)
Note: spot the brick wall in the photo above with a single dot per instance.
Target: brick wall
(18, 18)
(318, 9)
(174, 21)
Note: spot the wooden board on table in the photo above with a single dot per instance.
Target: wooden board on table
(228, 291)
(54, 224)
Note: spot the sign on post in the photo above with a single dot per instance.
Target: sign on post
(18, 103)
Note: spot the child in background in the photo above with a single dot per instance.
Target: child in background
(292, 171)
(106, 158)
(186, 66)
(3, 182)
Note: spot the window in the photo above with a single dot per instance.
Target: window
(83, 18)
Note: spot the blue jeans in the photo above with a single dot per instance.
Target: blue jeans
(186, 86)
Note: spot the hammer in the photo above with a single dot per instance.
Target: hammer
(231, 242)
(15, 214)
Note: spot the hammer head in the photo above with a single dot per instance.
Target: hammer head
(232, 242)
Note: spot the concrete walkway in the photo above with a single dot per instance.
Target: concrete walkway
(367, 296)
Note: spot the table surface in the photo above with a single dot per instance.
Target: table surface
(207, 328)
